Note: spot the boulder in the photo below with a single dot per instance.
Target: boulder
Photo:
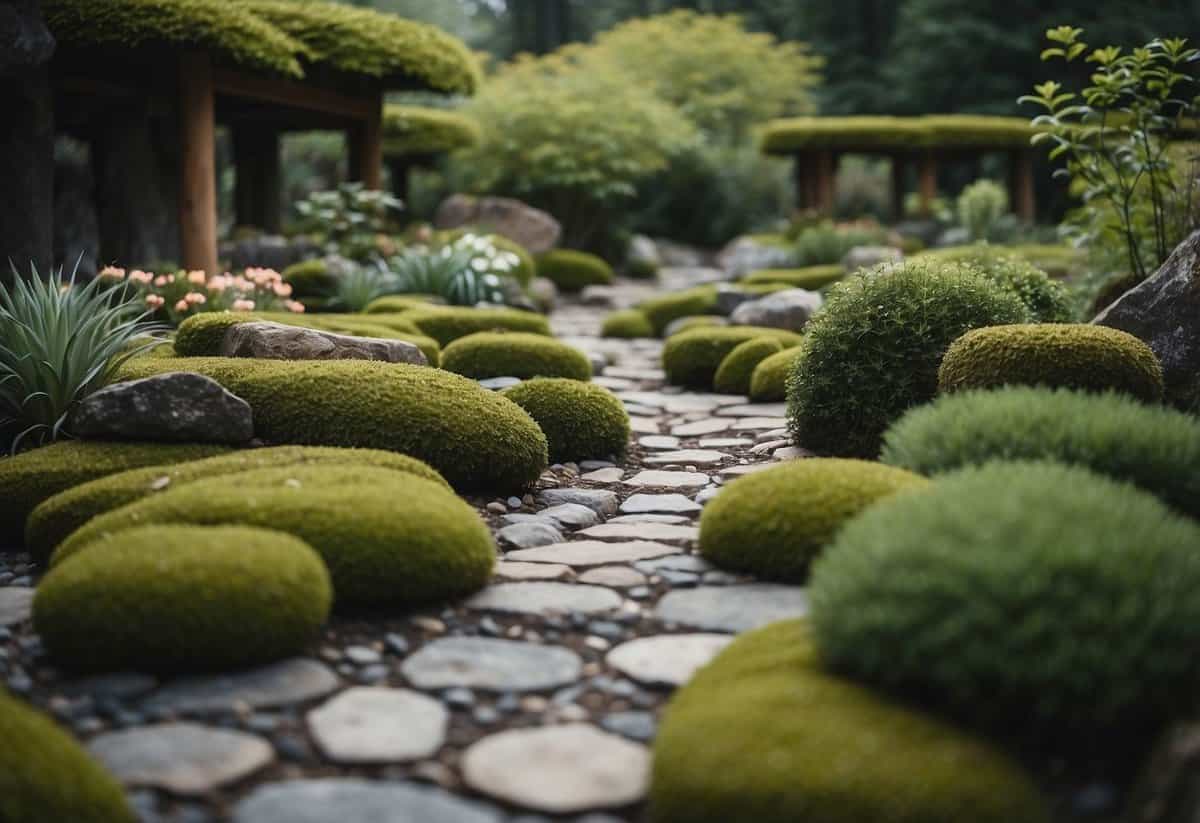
(745, 254)
(177, 407)
(643, 251)
(598, 296)
(789, 309)
(866, 257)
(533, 228)
(275, 341)
(272, 251)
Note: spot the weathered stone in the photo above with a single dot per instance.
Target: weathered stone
(514, 570)
(754, 410)
(533, 228)
(643, 425)
(668, 659)
(710, 425)
(499, 383)
(279, 684)
(697, 457)
(671, 519)
(758, 423)
(643, 252)
(544, 293)
(184, 758)
(745, 254)
(379, 725)
(600, 501)
(179, 407)
(603, 475)
(571, 515)
(619, 577)
(275, 341)
(788, 309)
(675, 562)
(659, 441)
(16, 605)
(642, 531)
(357, 801)
(594, 552)
(732, 608)
(528, 535)
(668, 503)
(650, 478)
(491, 665)
(544, 598)
(865, 257)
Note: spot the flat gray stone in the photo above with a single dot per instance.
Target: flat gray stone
(16, 605)
(724, 442)
(176, 407)
(499, 383)
(758, 423)
(743, 470)
(697, 457)
(184, 758)
(528, 535)
(279, 684)
(641, 531)
(643, 425)
(674, 519)
(734, 609)
(710, 425)
(675, 562)
(594, 552)
(754, 410)
(379, 725)
(491, 664)
(667, 659)
(603, 475)
(601, 501)
(618, 577)
(571, 515)
(789, 453)
(515, 570)
(357, 801)
(635, 373)
(276, 341)
(544, 598)
(651, 478)
(662, 503)
(658, 441)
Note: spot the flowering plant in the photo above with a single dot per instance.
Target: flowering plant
(176, 296)
(471, 269)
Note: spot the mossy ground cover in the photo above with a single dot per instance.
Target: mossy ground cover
(734, 374)
(573, 270)
(581, 421)
(808, 277)
(691, 358)
(514, 354)
(628, 324)
(768, 381)
(445, 324)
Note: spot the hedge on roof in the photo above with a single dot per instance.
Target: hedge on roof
(445, 324)
(809, 277)
(877, 132)
(476, 439)
(763, 734)
(661, 311)
(423, 131)
(582, 421)
(571, 270)
(180, 598)
(768, 383)
(734, 373)
(691, 358)
(514, 354)
(58, 516)
(627, 323)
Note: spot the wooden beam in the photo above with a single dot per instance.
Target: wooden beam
(294, 95)
(366, 148)
(198, 172)
(927, 184)
(1020, 184)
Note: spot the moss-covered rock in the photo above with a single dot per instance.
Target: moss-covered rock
(734, 373)
(809, 277)
(628, 324)
(310, 278)
(514, 354)
(473, 437)
(180, 598)
(773, 523)
(768, 383)
(572, 270)
(763, 734)
(691, 358)
(447, 324)
(661, 311)
(1066, 355)
(582, 421)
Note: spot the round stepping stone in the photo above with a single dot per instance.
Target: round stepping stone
(558, 769)
(659, 441)
(379, 725)
(603, 475)
(732, 608)
(544, 598)
(646, 531)
(184, 758)
(619, 577)
(594, 552)
(672, 519)
(515, 570)
(279, 684)
(756, 423)
(528, 535)
(754, 410)
(675, 562)
(491, 664)
(357, 801)
(16, 605)
(643, 425)
(668, 659)
(666, 503)
(571, 515)
(697, 457)
(651, 478)
(601, 501)
(710, 425)
(724, 442)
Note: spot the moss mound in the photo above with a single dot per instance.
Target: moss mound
(661, 311)
(474, 438)
(768, 382)
(387, 537)
(1043, 601)
(699, 321)
(310, 278)
(581, 420)
(773, 523)
(180, 598)
(1067, 355)
(572, 270)
(400, 303)
(763, 734)
(691, 358)
(809, 277)
(447, 324)
(628, 324)
(46, 776)
(1155, 448)
(734, 373)
(514, 354)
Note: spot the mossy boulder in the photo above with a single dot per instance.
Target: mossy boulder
(691, 358)
(572, 270)
(628, 324)
(661, 311)
(734, 373)
(310, 278)
(808, 277)
(445, 324)
(180, 598)
(514, 354)
(582, 421)
(773, 523)
(768, 382)
(763, 734)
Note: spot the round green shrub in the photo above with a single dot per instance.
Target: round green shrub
(734, 373)
(640, 268)
(1046, 299)
(1039, 600)
(445, 324)
(572, 270)
(56, 517)
(874, 350)
(400, 303)
(1067, 355)
(661, 311)
(692, 357)
(514, 354)
(773, 523)
(763, 734)
(387, 537)
(768, 383)
(809, 277)
(180, 598)
(473, 437)
(30, 477)
(582, 421)
(1153, 447)
(628, 324)
(46, 776)
(310, 278)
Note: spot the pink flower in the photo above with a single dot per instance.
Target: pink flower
(112, 273)
(219, 283)
(243, 305)
(283, 290)
(294, 306)
(195, 298)
(154, 301)
(197, 277)
(182, 305)
(161, 280)
(139, 276)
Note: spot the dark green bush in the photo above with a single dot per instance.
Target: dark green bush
(662, 310)
(572, 270)
(514, 354)
(1046, 299)
(692, 357)
(581, 421)
(627, 323)
(768, 383)
(446, 324)
(826, 244)
(810, 277)
(734, 373)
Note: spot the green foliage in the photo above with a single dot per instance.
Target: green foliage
(878, 133)
(809, 277)
(764, 734)
(446, 325)
(827, 244)
(360, 287)
(571, 270)
(422, 131)
(399, 303)
(1046, 299)
(581, 421)
(980, 207)
(773, 523)
(526, 267)
(768, 382)
(348, 218)
(1056, 259)
(1088, 582)
(692, 357)
(514, 354)
(469, 269)
(627, 323)
(662, 310)
(734, 373)
(874, 350)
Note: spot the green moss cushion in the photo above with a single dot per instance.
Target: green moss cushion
(572, 270)
(1073, 356)
(774, 522)
(581, 420)
(809, 277)
(30, 477)
(310, 278)
(1043, 601)
(762, 734)
(474, 438)
(627, 323)
(180, 598)
(514, 354)
(58, 516)
(691, 358)
(447, 324)
(696, 322)
(768, 382)
(1155, 448)
(734, 373)
(387, 537)
(661, 311)
(46, 776)
(399, 303)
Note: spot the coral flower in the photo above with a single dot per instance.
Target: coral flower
(139, 276)
(283, 290)
(195, 298)
(243, 305)
(294, 306)
(154, 301)
(182, 305)
(112, 273)
(197, 277)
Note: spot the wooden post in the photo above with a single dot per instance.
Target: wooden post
(825, 167)
(800, 180)
(399, 169)
(899, 172)
(366, 147)
(1020, 184)
(928, 182)
(198, 172)
(257, 196)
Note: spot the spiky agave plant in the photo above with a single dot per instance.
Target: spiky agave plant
(59, 342)
(463, 272)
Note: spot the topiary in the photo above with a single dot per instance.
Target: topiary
(474, 438)
(628, 324)
(874, 350)
(387, 537)
(56, 517)
(809, 277)
(1067, 355)
(773, 523)
(581, 420)
(1046, 299)
(179, 598)
(768, 383)
(572, 270)
(661, 311)
(310, 278)
(447, 324)
(733, 375)
(1043, 601)
(1153, 447)
(691, 358)
(513, 354)
(763, 734)
(45, 775)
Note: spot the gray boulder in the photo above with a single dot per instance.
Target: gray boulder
(745, 254)
(730, 296)
(275, 341)
(176, 407)
(789, 309)
(533, 228)
(866, 257)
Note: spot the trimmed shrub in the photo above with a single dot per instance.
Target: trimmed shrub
(572, 270)
(56, 517)
(400, 303)
(768, 383)
(1046, 299)
(387, 537)
(447, 324)
(1050, 604)
(46, 776)
(773, 523)
(310, 278)
(180, 598)
(513, 354)
(691, 358)
(763, 734)
(1073, 356)
(661, 311)
(734, 373)
(581, 421)
(474, 438)
(874, 350)
(810, 277)
(1153, 447)
(1055, 259)
(628, 324)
